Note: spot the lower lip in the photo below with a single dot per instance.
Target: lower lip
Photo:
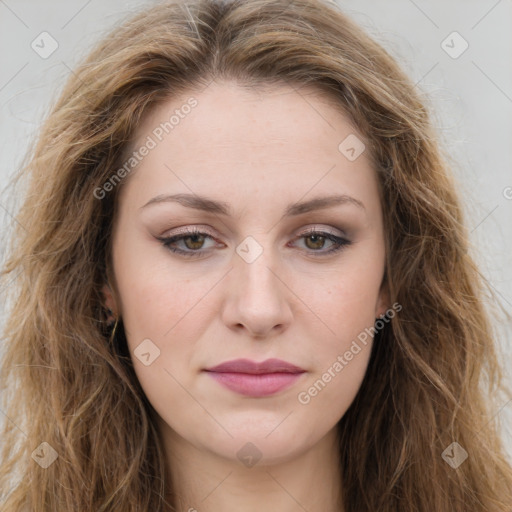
(265, 384)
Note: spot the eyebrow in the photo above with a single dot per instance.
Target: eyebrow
(222, 208)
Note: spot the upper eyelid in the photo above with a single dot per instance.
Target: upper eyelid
(206, 231)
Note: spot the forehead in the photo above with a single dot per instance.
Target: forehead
(228, 113)
(246, 140)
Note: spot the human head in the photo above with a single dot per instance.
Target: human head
(252, 289)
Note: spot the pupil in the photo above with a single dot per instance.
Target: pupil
(317, 240)
(195, 240)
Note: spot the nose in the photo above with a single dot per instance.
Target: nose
(257, 298)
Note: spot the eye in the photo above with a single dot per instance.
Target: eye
(194, 241)
(315, 240)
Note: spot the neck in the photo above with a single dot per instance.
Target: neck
(203, 481)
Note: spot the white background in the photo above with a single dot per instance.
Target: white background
(471, 98)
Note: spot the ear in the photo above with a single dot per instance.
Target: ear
(108, 299)
(383, 302)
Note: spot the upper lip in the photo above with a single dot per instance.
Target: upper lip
(255, 368)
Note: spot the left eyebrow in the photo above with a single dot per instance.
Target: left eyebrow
(222, 208)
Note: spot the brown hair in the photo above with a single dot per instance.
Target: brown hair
(430, 375)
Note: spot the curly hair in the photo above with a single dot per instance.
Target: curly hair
(65, 382)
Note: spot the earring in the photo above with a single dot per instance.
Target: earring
(110, 317)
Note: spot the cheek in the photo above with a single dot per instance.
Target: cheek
(332, 390)
(344, 300)
(162, 316)
(156, 300)
(165, 313)
(346, 308)
(342, 354)
(156, 308)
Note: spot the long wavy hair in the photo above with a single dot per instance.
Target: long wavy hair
(433, 375)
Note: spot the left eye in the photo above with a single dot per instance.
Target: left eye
(194, 241)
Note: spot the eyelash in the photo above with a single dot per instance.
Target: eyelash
(340, 243)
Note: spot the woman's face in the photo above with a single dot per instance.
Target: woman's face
(278, 270)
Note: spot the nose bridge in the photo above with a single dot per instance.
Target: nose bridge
(256, 267)
(257, 297)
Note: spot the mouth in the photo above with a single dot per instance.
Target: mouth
(250, 378)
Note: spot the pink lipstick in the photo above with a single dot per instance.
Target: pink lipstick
(254, 379)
